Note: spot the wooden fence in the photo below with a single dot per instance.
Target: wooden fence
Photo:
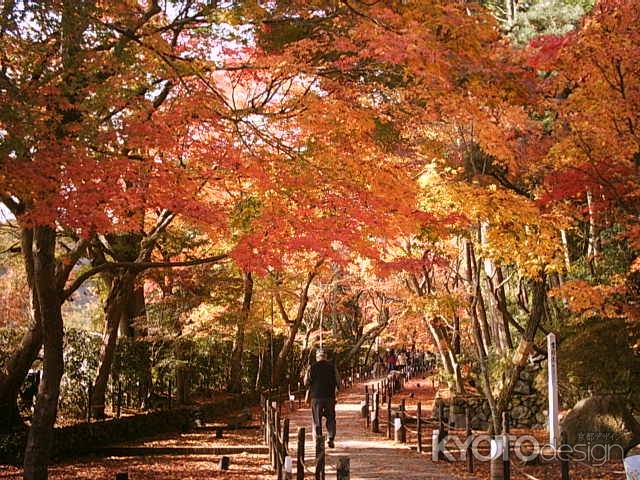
(276, 433)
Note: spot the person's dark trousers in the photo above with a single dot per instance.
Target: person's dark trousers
(324, 407)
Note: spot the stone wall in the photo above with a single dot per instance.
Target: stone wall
(83, 438)
(527, 408)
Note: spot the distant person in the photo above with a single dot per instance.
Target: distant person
(28, 395)
(378, 369)
(391, 361)
(322, 381)
(402, 361)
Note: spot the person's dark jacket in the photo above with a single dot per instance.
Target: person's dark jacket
(322, 380)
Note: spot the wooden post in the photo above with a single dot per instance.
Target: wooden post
(265, 418)
(122, 476)
(224, 463)
(564, 456)
(375, 417)
(277, 435)
(287, 471)
(119, 399)
(169, 393)
(342, 469)
(442, 432)
(270, 428)
(403, 428)
(300, 455)
(262, 422)
(279, 460)
(290, 399)
(89, 397)
(469, 454)
(505, 444)
(366, 405)
(368, 409)
(389, 419)
(419, 426)
(399, 431)
(320, 457)
(278, 422)
(553, 390)
(285, 435)
(219, 432)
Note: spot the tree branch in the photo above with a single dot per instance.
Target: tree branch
(137, 266)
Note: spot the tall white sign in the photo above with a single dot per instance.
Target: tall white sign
(552, 363)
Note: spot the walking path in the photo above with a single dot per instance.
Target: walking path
(371, 455)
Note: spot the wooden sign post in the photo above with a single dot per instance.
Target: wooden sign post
(554, 428)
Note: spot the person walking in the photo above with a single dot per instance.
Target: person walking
(402, 361)
(391, 361)
(322, 381)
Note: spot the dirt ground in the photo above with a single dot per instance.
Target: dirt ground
(166, 467)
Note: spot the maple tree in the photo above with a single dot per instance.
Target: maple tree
(399, 166)
(93, 138)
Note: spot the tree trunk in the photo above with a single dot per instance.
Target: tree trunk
(498, 321)
(281, 360)
(457, 346)
(17, 370)
(183, 380)
(478, 312)
(510, 10)
(294, 326)
(120, 296)
(449, 359)
(22, 359)
(501, 299)
(135, 309)
(592, 234)
(485, 383)
(235, 376)
(132, 328)
(525, 346)
(39, 441)
(261, 354)
(446, 361)
(565, 250)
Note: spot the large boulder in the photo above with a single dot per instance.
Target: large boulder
(602, 420)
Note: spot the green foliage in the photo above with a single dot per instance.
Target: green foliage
(131, 361)
(282, 32)
(608, 365)
(207, 361)
(244, 213)
(540, 17)
(81, 355)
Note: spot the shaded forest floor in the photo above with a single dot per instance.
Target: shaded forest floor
(243, 465)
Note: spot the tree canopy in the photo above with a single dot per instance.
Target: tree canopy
(461, 175)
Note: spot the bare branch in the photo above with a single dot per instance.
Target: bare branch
(137, 266)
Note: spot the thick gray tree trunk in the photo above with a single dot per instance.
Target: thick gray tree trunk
(39, 441)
